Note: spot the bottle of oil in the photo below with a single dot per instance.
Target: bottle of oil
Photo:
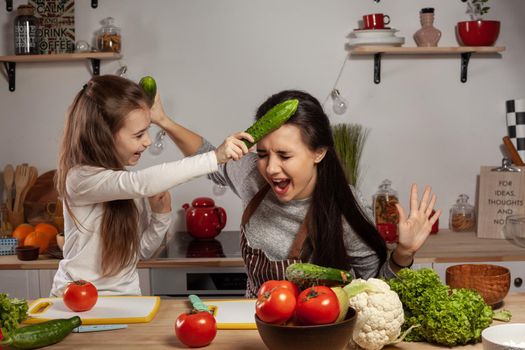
(26, 25)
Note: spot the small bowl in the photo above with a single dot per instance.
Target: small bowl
(60, 241)
(509, 336)
(27, 252)
(334, 336)
(491, 281)
(478, 33)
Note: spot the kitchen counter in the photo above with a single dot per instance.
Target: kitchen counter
(159, 333)
(446, 246)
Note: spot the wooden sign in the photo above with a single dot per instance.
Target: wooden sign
(56, 25)
(501, 193)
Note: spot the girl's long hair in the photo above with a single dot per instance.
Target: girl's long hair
(96, 115)
(332, 198)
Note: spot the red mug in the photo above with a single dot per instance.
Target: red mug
(375, 21)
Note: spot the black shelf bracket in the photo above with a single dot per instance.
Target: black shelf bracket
(95, 64)
(377, 68)
(465, 58)
(94, 4)
(10, 68)
(9, 5)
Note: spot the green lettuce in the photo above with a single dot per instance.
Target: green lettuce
(442, 315)
(12, 312)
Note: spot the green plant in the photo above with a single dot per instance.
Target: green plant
(349, 142)
(476, 8)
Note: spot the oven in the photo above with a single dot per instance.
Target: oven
(212, 267)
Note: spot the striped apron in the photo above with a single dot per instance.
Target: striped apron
(259, 268)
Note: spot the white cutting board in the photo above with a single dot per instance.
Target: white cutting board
(107, 310)
(233, 314)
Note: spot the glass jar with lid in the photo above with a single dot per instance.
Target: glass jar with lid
(108, 38)
(462, 215)
(385, 211)
(26, 27)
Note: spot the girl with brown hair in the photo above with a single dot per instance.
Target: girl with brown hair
(108, 224)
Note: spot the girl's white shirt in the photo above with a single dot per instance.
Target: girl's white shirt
(88, 188)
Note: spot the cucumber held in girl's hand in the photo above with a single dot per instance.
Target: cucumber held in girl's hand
(149, 85)
(272, 120)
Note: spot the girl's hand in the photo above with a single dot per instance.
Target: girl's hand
(160, 203)
(157, 111)
(414, 230)
(233, 147)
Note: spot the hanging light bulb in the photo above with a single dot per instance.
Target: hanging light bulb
(340, 105)
(158, 145)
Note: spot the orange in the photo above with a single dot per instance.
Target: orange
(22, 231)
(50, 230)
(39, 239)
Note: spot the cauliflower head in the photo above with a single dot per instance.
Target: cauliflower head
(379, 313)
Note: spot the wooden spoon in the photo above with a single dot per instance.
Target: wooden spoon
(22, 177)
(9, 178)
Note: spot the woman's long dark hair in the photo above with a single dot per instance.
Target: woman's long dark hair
(332, 197)
(96, 115)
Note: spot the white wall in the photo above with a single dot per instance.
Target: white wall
(215, 61)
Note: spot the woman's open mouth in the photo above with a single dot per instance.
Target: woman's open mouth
(280, 187)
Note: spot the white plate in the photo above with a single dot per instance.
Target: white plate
(373, 33)
(388, 41)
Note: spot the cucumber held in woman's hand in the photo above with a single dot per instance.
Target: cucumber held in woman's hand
(149, 85)
(272, 120)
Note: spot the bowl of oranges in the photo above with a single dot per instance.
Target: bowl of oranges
(42, 235)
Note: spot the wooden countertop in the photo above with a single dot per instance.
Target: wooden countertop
(446, 246)
(159, 333)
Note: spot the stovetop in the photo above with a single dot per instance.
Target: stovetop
(183, 245)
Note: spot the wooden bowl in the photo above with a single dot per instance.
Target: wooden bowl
(334, 336)
(491, 281)
(27, 252)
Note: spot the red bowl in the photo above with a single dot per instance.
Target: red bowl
(478, 33)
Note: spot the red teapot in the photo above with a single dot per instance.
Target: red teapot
(203, 219)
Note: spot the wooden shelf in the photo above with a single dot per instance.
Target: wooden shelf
(95, 58)
(464, 51)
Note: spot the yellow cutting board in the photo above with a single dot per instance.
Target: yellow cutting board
(233, 314)
(107, 310)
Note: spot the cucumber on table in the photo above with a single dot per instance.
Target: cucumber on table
(42, 334)
(306, 275)
(272, 120)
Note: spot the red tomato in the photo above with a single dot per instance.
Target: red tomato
(317, 305)
(80, 295)
(276, 305)
(270, 284)
(196, 329)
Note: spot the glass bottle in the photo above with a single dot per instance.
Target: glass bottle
(462, 216)
(108, 38)
(25, 31)
(385, 211)
(428, 35)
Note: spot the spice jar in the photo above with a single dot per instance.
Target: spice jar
(385, 211)
(25, 31)
(462, 216)
(108, 38)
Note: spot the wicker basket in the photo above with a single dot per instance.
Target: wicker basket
(491, 281)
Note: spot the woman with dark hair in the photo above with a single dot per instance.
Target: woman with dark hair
(298, 205)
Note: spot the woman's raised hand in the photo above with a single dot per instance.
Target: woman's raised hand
(414, 229)
(233, 147)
